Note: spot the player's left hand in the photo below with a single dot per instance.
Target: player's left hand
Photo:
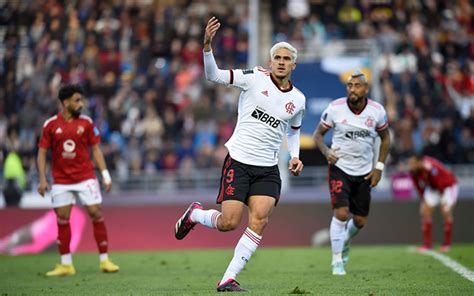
(295, 166)
(374, 177)
(107, 186)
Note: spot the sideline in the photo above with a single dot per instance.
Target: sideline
(448, 262)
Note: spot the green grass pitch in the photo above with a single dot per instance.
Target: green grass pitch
(372, 270)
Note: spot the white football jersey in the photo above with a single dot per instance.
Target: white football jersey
(354, 134)
(264, 114)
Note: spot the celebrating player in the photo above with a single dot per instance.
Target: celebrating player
(435, 185)
(69, 135)
(357, 121)
(269, 107)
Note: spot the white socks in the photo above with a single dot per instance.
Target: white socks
(337, 233)
(246, 246)
(66, 259)
(103, 257)
(352, 229)
(207, 218)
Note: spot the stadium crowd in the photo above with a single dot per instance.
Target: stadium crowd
(426, 66)
(140, 63)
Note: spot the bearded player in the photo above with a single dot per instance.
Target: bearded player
(70, 135)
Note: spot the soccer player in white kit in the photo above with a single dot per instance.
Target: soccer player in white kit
(356, 121)
(269, 106)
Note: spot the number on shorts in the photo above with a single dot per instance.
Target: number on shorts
(230, 176)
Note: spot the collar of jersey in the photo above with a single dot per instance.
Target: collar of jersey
(276, 84)
(362, 110)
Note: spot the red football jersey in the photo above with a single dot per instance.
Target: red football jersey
(70, 143)
(434, 175)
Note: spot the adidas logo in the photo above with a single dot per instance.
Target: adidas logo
(265, 93)
(58, 131)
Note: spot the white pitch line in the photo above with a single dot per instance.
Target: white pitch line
(452, 264)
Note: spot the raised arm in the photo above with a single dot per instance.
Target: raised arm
(213, 73)
(211, 29)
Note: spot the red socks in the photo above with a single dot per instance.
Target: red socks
(448, 232)
(64, 237)
(100, 234)
(427, 233)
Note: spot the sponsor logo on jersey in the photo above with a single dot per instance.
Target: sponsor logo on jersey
(265, 118)
(353, 135)
(69, 146)
(290, 107)
(248, 71)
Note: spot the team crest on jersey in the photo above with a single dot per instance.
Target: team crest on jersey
(290, 107)
(80, 130)
(369, 122)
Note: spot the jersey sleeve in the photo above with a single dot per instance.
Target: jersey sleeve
(243, 79)
(382, 120)
(296, 121)
(419, 185)
(45, 140)
(327, 118)
(93, 135)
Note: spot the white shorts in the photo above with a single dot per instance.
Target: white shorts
(448, 197)
(65, 194)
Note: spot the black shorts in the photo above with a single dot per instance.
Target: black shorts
(239, 181)
(349, 191)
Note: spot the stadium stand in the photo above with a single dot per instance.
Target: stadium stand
(140, 63)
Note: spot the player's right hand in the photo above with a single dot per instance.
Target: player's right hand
(332, 156)
(43, 187)
(212, 26)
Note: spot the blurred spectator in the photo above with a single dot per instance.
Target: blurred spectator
(140, 63)
(426, 66)
(14, 179)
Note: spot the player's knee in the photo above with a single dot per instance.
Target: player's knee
(225, 224)
(258, 224)
(360, 221)
(342, 214)
(447, 214)
(95, 215)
